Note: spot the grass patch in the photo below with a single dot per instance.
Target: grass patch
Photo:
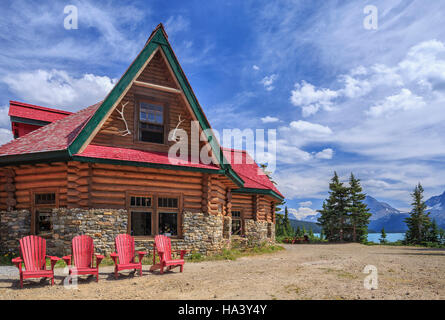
(235, 253)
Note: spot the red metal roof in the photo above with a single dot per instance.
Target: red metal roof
(30, 111)
(248, 170)
(55, 136)
(123, 154)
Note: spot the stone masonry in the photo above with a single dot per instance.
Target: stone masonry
(202, 233)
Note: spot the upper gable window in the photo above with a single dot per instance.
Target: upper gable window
(151, 123)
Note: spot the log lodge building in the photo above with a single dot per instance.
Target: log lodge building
(105, 170)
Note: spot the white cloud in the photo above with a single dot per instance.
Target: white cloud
(5, 121)
(269, 119)
(58, 88)
(310, 99)
(309, 128)
(302, 212)
(268, 81)
(177, 24)
(325, 154)
(305, 204)
(403, 101)
(255, 67)
(5, 136)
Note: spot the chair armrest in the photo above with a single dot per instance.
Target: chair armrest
(141, 255)
(99, 259)
(67, 260)
(53, 261)
(18, 263)
(114, 257)
(181, 252)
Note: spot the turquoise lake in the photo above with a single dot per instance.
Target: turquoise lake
(375, 237)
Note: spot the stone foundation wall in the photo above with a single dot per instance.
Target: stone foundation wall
(202, 233)
(258, 232)
(103, 225)
(14, 225)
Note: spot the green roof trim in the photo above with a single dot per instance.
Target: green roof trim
(38, 157)
(146, 164)
(158, 39)
(259, 191)
(29, 121)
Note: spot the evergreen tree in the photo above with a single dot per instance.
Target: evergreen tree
(289, 231)
(441, 236)
(418, 222)
(433, 235)
(383, 236)
(334, 215)
(359, 212)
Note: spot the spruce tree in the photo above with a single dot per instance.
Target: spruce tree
(359, 212)
(418, 222)
(383, 236)
(334, 215)
(433, 235)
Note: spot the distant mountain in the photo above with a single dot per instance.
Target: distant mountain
(385, 216)
(436, 207)
(307, 225)
(379, 209)
(393, 220)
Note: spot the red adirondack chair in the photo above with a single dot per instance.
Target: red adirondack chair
(164, 247)
(124, 244)
(33, 254)
(82, 248)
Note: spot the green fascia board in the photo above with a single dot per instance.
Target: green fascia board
(146, 165)
(38, 157)
(259, 191)
(29, 121)
(158, 39)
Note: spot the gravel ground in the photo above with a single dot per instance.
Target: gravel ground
(333, 271)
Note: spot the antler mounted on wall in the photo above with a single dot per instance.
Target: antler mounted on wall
(174, 138)
(122, 117)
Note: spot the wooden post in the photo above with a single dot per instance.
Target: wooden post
(255, 207)
(10, 189)
(206, 184)
(229, 202)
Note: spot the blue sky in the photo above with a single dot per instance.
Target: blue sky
(341, 97)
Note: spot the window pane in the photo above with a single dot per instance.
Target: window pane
(236, 227)
(168, 223)
(155, 136)
(236, 214)
(140, 223)
(168, 202)
(151, 113)
(140, 201)
(45, 198)
(43, 221)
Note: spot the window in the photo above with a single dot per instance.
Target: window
(140, 223)
(140, 218)
(168, 223)
(151, 123)
(150, 215)
(43, 204)
(236, 223)
(168, 202)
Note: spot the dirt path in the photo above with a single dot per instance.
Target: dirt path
(299, 272)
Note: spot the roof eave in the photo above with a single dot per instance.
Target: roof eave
(259, 191)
